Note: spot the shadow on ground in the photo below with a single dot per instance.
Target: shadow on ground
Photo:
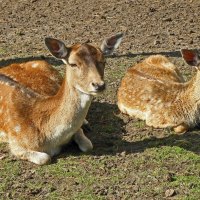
(108, 130)
(175, 54)
(50, 60)
(55, 62)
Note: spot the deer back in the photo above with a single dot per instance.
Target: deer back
(150, 88)
(33, 74)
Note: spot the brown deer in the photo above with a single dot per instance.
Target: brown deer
(40, 111)
(155, 91)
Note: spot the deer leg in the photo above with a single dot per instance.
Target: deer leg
(39, 158)
(83, 142)
(182, 128)
(86, 126)
(55, 151)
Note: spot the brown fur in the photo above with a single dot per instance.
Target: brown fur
(44, 75)
(40, 111)
(155, 91)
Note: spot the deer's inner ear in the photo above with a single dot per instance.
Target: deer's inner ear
(190, 57)
(111, 43)
(57, 48)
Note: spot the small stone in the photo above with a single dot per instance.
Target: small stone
(156, 42)
(152, 9)
(2, 157)
(168, 177)
(170, 193)
(191, 20)
(123, 154)
(167, 19)
(191, 42)
(192, 31)
(8, 195)
(103, 17)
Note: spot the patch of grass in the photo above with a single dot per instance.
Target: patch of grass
(184, 165)
(191, 185)
(167, 152)
(108, 176)
(3, 51)
(8, 172)
(128, 162)
(139, 124)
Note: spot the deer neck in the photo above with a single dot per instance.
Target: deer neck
(193, 88)
(67, 109)
(71, 98)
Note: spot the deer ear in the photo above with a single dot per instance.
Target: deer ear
(190, 57)
(57, 48)
(111, 43)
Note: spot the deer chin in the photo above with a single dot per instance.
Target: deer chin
(96, 93)
(82, 90)
(91, 92)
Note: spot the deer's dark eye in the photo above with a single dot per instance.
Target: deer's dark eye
(73, 65)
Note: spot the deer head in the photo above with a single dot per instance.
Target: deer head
(85, 63)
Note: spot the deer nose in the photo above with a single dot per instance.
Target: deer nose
(99, 86)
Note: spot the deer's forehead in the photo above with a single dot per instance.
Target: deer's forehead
(86, 53)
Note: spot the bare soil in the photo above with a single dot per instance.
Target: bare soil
(123, 146)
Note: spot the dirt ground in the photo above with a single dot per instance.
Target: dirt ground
(149, 163)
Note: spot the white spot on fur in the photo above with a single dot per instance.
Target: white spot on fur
(52, 78)
(167, 65)
(2, 134)
(22, 91)
(159, 101)
(17, 128)
(35, 65)
(150, 79)
(144, 97)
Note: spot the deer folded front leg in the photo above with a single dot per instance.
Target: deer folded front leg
(39, 158)
(83, 142)
(180, 129)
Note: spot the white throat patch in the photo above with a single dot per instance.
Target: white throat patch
(85, 99)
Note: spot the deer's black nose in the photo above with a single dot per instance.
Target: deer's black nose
(99, 87)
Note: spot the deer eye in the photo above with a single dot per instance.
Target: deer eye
(73, 65)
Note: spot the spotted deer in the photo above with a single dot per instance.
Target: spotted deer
(40, 111)
(154, 90)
